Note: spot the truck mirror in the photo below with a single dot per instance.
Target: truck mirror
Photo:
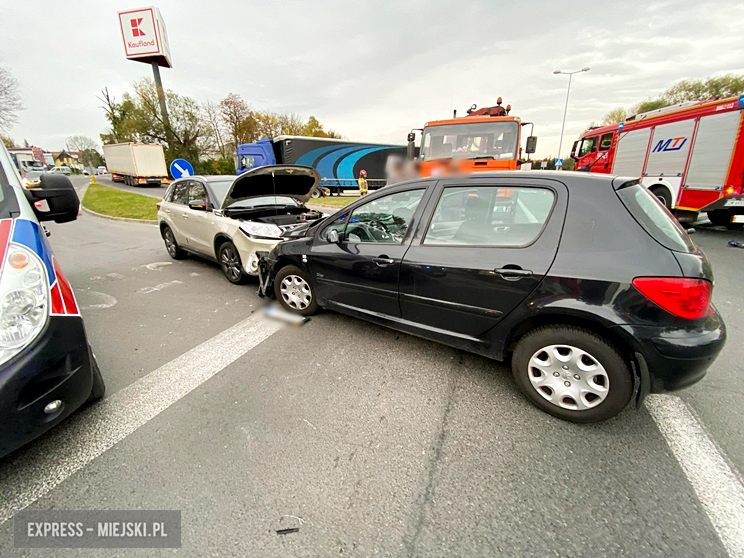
(411, 136)
(531, 144)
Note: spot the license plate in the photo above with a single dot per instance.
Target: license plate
(734, 203)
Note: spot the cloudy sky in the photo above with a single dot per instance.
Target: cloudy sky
(371, 70)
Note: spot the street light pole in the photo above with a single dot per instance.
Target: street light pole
(565, 110)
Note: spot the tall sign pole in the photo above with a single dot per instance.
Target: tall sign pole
(146, 40)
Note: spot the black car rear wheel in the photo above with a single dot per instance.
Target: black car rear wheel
(572, 373)
(230, 263)
(294, 291)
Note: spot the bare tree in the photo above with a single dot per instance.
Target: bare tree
(81, 143)
(212, 113)
(10, 100)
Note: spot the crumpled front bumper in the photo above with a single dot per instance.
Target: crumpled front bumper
(265, 274)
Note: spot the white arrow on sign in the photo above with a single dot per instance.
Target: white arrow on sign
(184, 172)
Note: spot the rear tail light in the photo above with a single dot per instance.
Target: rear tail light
(113, 175)
(158, 206)
(141, 181)
(164, 180)
(681, 296)
(732, 191)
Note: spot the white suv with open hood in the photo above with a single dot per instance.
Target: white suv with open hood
(228, 219)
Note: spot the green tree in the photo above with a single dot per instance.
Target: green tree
(7, 140)
(119, 116)
(729, 85)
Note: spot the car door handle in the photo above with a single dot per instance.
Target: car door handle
(383, 261)
(512, 273)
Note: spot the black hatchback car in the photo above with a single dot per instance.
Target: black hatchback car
(585, 281)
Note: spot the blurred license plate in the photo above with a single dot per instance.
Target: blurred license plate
(734, 203)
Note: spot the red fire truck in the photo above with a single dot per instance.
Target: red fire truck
(691, 156)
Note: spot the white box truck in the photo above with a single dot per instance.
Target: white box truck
(136, 164)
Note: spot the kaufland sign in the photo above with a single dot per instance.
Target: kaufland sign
(144, 35)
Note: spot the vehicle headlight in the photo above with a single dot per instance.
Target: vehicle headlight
(24, 300)
(264, 230)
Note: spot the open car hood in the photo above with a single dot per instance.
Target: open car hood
(275, 180)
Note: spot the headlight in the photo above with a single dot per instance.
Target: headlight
(24, 300)
(264, 230)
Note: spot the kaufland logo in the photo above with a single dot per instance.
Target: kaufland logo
(672, 144)
(136, 31)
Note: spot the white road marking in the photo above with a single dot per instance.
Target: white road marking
(82, 438)
(108, 300)
(155, 266)
(718, 488)
(159, 287)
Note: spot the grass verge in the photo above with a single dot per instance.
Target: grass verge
(333, 202)
(117, 203)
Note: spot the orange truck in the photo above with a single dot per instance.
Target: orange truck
(486, 139)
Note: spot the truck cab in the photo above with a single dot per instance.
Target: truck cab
(487, 139)
(252, 155)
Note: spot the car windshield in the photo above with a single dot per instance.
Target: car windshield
(263, 201)
(470, 140)
(221, 187)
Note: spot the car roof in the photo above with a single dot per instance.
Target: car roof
(572, 179)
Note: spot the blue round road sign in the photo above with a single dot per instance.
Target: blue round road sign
(180, 168)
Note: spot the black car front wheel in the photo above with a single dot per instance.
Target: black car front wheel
(294, 291)
(572, 373)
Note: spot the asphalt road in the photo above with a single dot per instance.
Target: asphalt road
(369, 441)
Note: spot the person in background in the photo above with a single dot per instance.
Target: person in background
(363, 188)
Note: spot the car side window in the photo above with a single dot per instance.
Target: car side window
(197, 192)
(606, 142)
(180, 193)
(384, 220)
(490, 216)
(338, 224)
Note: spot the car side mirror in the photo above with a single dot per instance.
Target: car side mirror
(60, 196)
(198, 205)
(531, 145)
(332, 237)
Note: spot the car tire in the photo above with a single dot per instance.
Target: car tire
(316, 194)
(171, 244)
(722, 218)
(662, 194)
(99, 386)
(295, 291)
(572, 373)
(230, 263)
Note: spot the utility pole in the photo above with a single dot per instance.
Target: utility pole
(161, 100)
(565, 110)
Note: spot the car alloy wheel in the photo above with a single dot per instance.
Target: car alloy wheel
(170, 243)
(230, 263)
(568, 377)
(296, 292)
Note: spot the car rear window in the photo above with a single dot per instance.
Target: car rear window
(655, 218)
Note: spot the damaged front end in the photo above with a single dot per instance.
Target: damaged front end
(265, 275)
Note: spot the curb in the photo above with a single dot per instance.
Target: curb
(110, 217)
